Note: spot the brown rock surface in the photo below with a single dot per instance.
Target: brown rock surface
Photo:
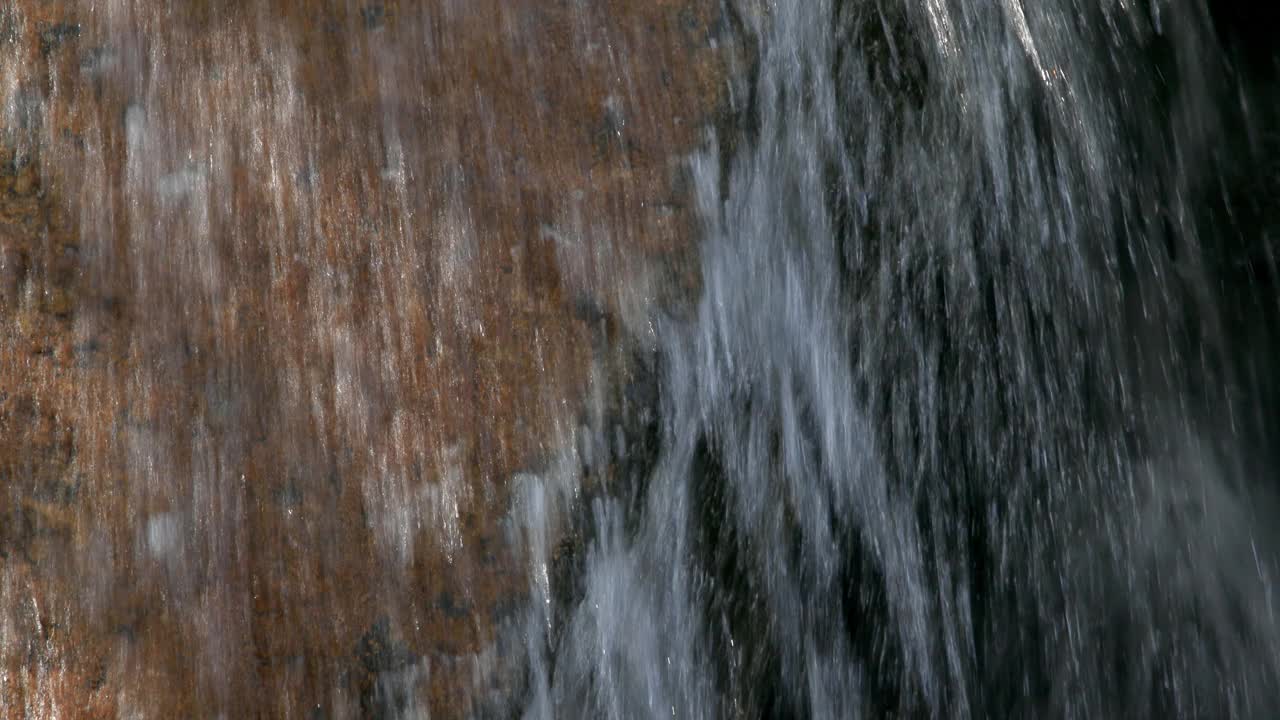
(290, 290)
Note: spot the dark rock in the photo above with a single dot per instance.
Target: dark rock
(451, 607)
(384, 692)
(9, 29)
(55, 36)
(378, 652)
(96, 60)
(374, 16)
(608, 134)
(13, 271)
(16, 530)
(289, 494)
(59, 491)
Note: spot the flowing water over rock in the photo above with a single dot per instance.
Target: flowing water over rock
(679, 358)
(958, 428)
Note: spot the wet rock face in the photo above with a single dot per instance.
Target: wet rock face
(291, 290)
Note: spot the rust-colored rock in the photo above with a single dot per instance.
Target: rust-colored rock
(290, 290)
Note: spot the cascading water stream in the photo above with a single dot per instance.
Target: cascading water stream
(952, 430)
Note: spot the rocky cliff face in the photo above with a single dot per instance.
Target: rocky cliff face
(291, 291)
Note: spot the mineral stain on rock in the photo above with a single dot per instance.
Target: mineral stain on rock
(281, 325)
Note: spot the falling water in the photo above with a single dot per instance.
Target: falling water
(694, 358)
(954, 429)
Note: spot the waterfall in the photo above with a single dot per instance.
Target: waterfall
(954, 430)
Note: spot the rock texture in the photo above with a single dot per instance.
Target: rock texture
(291, 290)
